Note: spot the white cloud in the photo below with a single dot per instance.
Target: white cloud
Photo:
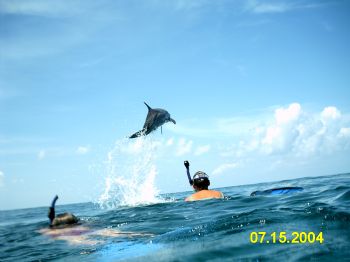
(344, 132)
(285, 116)
(83, 150)
(301, 133)
(270, 7)
(183, 147)
(44, 8)
(259, 7)
(42, 154)
(287, 129)
(281, 133)
(330, 113)
(200, 150)
(2, 176)
(223, 168)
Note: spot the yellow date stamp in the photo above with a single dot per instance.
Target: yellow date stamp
(263, 237)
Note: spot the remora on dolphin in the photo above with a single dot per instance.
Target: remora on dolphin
(156, 117)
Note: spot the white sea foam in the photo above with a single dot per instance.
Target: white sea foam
(130, 174)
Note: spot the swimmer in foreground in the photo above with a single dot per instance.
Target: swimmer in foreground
(61, 219)
(66, 227)
(200, 183)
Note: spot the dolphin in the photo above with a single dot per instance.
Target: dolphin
(155, 118)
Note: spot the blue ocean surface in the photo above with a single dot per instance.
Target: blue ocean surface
(211, 230)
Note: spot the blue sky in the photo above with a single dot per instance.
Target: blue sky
(259, 90)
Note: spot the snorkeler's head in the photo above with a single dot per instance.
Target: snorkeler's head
(60, 220)
(201, 180)
(64, 219)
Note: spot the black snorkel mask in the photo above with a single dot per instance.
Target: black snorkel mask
(200, 177)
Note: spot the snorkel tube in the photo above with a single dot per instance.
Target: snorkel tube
(51, 214)
(60, 220)
(187, 165)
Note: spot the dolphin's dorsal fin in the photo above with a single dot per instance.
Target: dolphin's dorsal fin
(149, 108)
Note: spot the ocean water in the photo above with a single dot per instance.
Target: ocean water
(212, 230)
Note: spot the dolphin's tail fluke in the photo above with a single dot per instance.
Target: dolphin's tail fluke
(149, 108)
(139, 133)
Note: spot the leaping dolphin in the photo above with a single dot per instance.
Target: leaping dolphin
(155, 118)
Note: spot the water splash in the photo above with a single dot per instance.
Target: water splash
(131, 173)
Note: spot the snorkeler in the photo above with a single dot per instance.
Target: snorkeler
(200, 183)
(66, 227)
(61, 219)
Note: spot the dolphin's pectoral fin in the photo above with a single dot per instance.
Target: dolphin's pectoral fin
(172, 120)
(161, 129)
(139, 133)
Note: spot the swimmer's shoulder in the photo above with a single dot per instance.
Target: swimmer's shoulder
(217, 194)
(205, 194)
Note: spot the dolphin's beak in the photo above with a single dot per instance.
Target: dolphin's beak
(172, 120)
